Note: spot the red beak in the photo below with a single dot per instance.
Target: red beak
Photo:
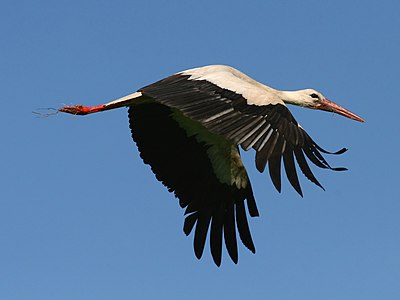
(327, 105)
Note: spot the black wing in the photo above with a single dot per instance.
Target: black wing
(182, 164)
(271, 129)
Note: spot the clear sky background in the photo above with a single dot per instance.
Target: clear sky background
(81, 217)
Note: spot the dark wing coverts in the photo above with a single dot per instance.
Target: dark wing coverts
(181, 162)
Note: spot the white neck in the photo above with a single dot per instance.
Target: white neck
(294, 97)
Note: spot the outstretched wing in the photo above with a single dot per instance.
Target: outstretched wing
(270, 129)
(204, 171)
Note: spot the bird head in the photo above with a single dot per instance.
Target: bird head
(313, 99)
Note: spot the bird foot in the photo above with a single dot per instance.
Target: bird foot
(81, 109)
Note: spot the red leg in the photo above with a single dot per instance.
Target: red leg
(82, 110)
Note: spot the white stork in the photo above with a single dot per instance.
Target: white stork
(188, 127)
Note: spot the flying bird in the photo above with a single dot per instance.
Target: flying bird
(188, 127)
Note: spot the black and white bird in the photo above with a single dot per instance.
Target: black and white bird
(188, 128)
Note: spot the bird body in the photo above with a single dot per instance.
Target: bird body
(188, 127)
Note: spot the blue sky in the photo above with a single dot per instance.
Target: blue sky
(81, 217)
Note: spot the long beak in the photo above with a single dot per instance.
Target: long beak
(327, 105)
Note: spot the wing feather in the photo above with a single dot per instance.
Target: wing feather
(216, 235)
(243, 227)
(290, 169)
(200, 235)
(189, 223)
(274, 163)
(301, 160)
(230, 234)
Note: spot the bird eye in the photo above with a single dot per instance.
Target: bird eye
(314, 96)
